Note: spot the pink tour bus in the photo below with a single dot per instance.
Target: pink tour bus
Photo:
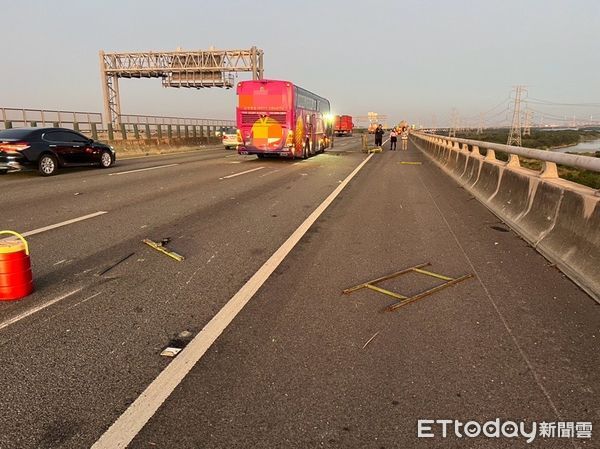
(280, 118)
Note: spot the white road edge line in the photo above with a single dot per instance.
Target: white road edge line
(141, 169)
(36, 309)
(129, 424)
(64, 223)
(242, 173)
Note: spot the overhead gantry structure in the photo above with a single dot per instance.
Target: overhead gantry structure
(181, 68)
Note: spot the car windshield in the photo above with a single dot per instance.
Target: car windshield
(17, 133)
(229, 130)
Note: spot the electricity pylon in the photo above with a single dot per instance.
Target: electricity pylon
(528, 122)
(453, 123)
(514, 137)
(481, 120)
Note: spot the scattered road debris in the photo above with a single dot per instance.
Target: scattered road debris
(170, 352)
(177, 344)
(161, 246)
(410, 163)
(115, 264)
(405, 300)
(370, 339)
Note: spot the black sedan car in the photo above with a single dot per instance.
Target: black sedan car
(47, 149)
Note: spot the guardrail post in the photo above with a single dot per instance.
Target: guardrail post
(56, 124)
(136, 132)
(123, 131)
(110, 130)
(208, 134)
(7, 124)
(186, 131)
(513, 161)
(94, 131)
(75, 126)
(475, 151)
(33, 124)
(159, 131)
(178, 131)
(169, 131)
(147, 128)
(194, 134)
(490, 155)
(549, 170)
(201, 131)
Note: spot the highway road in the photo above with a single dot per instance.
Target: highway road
(299, 365)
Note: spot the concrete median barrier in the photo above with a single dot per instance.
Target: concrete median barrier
(471, 173)
(575, 239)
(559, 218)
(488, 181)
(513, 196)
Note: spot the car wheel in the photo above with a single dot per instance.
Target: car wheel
(106, 159)
(47, 165)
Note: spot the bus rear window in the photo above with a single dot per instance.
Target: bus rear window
(264, 99)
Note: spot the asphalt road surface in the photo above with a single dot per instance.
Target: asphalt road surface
(300, 365)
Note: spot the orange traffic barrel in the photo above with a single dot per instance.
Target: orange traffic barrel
(15, 268)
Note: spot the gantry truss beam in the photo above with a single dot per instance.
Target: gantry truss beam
(182, 68)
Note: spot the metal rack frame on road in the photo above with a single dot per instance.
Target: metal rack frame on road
(402, 299)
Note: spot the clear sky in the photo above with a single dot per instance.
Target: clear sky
(410, 59)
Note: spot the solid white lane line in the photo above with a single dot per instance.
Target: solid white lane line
(242, 173)
(141, 169)
(269, 173)
(124, 429)
(37, 309)
(64, 223)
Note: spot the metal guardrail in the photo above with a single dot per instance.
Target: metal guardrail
(548, 158)
(132, 127)
(163, 120)
(83, 121)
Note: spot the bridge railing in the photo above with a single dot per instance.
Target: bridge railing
(146, 127)
(548, 159)
(132, 127)
(83, 121)
(558, 217)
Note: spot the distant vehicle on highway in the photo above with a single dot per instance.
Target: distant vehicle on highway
(229, 135)
(279, 118)
(342, 125)
(48, 149)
